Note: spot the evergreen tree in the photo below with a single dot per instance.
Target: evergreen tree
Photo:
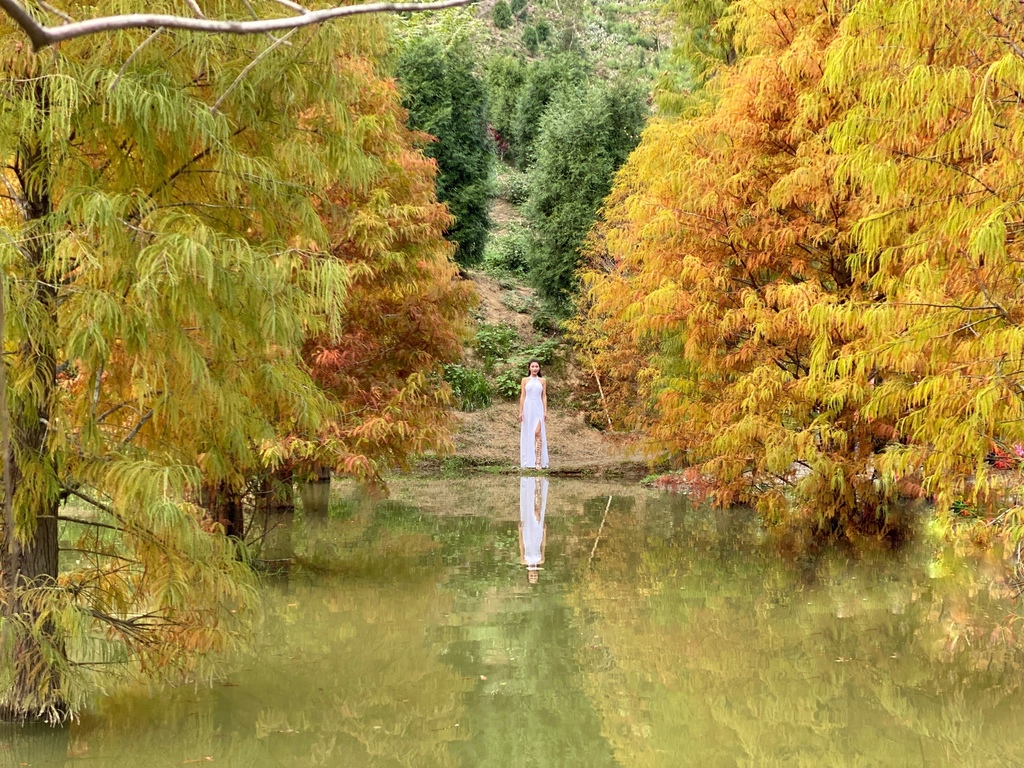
(445, 98)
(504, 79)
(543, 80)
(583, 140)
(501, 15)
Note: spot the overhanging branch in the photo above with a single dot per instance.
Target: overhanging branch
(42, 36)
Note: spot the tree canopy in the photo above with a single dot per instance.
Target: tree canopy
(186, 231)
(808, 289)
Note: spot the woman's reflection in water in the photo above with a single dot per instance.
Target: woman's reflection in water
(533, 499)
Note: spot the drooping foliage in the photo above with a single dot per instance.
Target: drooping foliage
(171, 240)
(445, 98)
(932, 140)
(583, 139)
(703, 43)
(809, 290)
(723, 234)
(404, 311)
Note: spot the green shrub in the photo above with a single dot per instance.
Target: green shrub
(517, 6)
(469, 386)
(507, 383)
(518, 303)
(501, 15)
(495, 342)
(544, 353)
(513, 186)
(509, 252)
(543, 321)
(543, 31)
(531, 39)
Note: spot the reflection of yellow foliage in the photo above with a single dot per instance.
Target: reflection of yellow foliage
(736, 661)
(344, 673)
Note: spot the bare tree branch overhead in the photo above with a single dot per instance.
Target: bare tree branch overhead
(43, 36)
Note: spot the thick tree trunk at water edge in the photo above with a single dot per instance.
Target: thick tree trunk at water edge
(31, 648)
(223, 505)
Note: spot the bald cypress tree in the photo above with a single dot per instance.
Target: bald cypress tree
(165, 254)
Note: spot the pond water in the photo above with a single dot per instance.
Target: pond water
(418, 632)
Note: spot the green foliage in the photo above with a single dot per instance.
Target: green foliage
(704, 41)
(507, 383)
(517, 302)
(508, 253)
(494, 343)
(543, 30)
(469, 386)
(542, 82)
(504, 78)
(531, 39)
(544, 321)
(513, 186)
(501, 15)
(546, 352)
(517, 6)
(446, 99)
(584, 139)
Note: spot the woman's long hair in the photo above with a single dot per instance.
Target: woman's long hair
(539, 368)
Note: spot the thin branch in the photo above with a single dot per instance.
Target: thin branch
(294, 6)
(195, 8)
(42, 36)
(81, 521)
(55, 11)
(98, 553)
(248, 69)
(130, 59)
(89, 499)
(136, 428)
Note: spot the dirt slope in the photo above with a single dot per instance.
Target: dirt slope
(490, 437)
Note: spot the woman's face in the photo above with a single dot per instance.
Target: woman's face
(535, 369)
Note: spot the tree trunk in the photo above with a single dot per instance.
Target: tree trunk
(316, 495)
(223, 505)
(31, 499)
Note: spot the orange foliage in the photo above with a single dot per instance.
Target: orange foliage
(723, 234)
(406, 306)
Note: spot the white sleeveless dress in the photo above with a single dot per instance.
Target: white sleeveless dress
(531, 518)
(533, 413)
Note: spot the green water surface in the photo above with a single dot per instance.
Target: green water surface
(407, 632)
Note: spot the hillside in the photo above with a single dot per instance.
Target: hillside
(617, 36)
(489, 437)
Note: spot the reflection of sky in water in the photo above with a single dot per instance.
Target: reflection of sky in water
(408, 634)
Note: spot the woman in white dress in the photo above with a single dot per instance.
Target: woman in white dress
(533, 415)
(533, 501)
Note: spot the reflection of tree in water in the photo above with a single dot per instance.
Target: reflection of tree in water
(344, 674)
(668, 636)
(712, 651)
